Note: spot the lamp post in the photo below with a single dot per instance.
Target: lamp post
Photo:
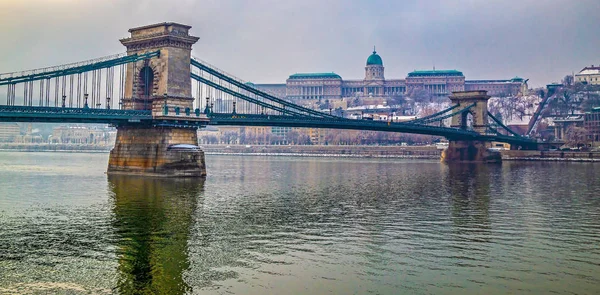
(165, 107)
(207, 109)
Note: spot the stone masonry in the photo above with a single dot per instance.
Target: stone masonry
(150, 85)
(147, 151)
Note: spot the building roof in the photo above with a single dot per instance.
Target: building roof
(435, 73)
(163, 24)
(374, 59)
(486, 81)
(513, 80)
(592, 70)
(331, 75)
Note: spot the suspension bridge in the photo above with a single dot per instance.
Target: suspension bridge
(159, 92)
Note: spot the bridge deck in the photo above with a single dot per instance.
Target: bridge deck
(119, 117)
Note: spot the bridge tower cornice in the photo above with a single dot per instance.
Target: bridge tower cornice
(159, 35)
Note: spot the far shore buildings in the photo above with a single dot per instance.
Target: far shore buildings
(9, 132)
(322, 86)
(589, 75)
(83, 135)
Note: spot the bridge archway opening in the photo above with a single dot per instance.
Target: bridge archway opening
(466, 121)
(146, 82)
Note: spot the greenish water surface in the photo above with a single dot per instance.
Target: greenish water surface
(290, 225)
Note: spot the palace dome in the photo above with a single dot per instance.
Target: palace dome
(374, 59)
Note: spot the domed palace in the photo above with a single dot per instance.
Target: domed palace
(319, 86)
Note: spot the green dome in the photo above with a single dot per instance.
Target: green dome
(374, 59)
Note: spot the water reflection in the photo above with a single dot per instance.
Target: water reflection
(469, 189)
(153, 218)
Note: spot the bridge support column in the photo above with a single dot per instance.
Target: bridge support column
(470, 151)
(157, 152)
(161, 85)
(476, 119)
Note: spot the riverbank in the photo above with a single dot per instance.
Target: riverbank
(72, 148)
(415, 152)
(358, 151)
(568, 156)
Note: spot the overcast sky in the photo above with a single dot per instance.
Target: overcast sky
(264, 41)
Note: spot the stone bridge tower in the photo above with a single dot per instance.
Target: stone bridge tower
(478, 113)
(475, 119)
(163, 85)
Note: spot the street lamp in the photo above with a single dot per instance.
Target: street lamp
(165, 107)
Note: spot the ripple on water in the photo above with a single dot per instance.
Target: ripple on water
(286, 225)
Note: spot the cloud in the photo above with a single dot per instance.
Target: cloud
(265, 40)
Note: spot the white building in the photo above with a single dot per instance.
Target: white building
(589, 75)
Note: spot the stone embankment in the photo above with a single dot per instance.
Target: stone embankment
(416, 152)
(46, 147)
(571, 156)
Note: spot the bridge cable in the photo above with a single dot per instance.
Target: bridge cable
(258, 92)
(121, 87)
(449, 115)
(244, 97)
(71, 79)
(41, 100)
(432, 115)
(502, 125)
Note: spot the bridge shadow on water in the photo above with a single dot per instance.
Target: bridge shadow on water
(153, 218)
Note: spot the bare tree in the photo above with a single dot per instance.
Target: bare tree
(577, 136)
(292, 136)
(568, 80)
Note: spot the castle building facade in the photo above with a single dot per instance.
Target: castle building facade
(589, 75)
(319, 86)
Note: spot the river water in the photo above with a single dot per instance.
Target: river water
(285, 225)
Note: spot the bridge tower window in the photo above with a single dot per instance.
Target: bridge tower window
(147, 81)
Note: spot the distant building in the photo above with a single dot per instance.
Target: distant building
(30, 136)
(437, 82)
(9, 132)
(591, 122)
(562, 125)
(589, 75)
(329, 86)
(82, 135)
(551, 88)
(512, 87)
